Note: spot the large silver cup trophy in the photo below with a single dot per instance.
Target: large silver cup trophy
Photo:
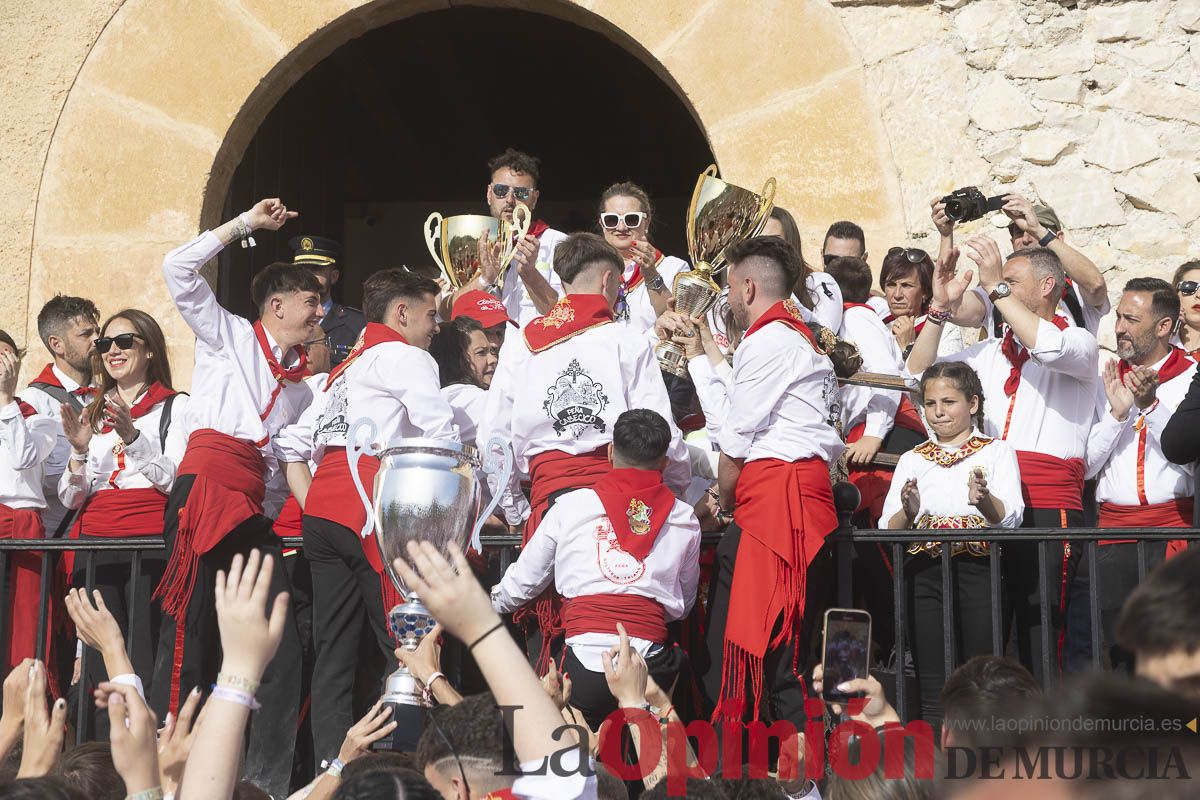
(428, 490)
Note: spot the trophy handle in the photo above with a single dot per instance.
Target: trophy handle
(514, 232)
(489, 466)
(433, 234)
(709, 172)
(764, 207)
(353, 452)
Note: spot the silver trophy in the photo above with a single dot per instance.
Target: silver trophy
(426, 489)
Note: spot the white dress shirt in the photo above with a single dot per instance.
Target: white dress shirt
(826, 311)
(784, 400)
(568, 397)
(576, 547)
(640, 314)
(712, 383)
(1055, 404)
(232, 378)
(876, 407)
(25, 444)
(52, 470)
(944, 490)
(144, 464)
(517, 301)
(1126, 455)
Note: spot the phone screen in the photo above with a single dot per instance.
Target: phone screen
(847, 650)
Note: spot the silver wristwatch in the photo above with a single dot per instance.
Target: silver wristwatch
(656, 285)
(1002, 290)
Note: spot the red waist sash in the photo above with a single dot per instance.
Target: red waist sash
(290, 521)
(22, 599)
(1175, 513)
(600, 613)
(228, 490)
(332, 496)
(785, 510)
(1051, 482)
(117, 513)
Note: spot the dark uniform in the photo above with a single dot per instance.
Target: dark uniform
(342, 324)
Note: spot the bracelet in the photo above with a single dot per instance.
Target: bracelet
(938, 314)
(237, 682)
(335, 768)
(80, 457)
(434, 677)
(235, 696)
(244, 230)
(486, 634)
(146, 794)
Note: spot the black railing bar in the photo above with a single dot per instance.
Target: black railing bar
(948, 597)
(1094, 602)
(900, 599)
(845, 573)
(997, 600)
(43, 622)
(82, 714)
(1141, 559)
(135, 576)
(1044, 611)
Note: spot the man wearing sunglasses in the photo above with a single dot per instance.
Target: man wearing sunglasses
(535, 288)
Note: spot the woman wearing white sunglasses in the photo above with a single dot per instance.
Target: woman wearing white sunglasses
(625, 215)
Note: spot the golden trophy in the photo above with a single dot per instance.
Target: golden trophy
(454, 242)
(720, 216)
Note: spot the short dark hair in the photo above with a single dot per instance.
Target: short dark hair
(641, 437)
(963, 376)
(775, 251)
(985, 686)
(282, 278)
(521, 163)
(46, 787)
(449, 349)
(845, 229)
(896, 266)
(1164, 300)
(1044, 261)
(60, 311)
(5, 338)
(1160, 615)
(379, 761)
(579, 251)
(89, 768)
(473, 728)
(386, 784)
(384, 287)
(853, 276)
(608, 785)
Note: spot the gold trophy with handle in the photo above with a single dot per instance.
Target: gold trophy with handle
(454, 242)
(720, 216)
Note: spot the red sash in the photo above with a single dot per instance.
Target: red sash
(637, 504)
(281, 374)
(290, 521)
(47, 376)
(1050, 482)
(571, 316)
(1175, 513)
(600, 613)
(228, 490)
(787, 312)
(1018, 355)
(785, 510)
(24, 589)
(155, 394)
(333, 497)
(118, 513)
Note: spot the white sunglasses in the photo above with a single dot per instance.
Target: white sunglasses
(632, 219)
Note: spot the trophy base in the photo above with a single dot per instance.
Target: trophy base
(671, 359)
(410, 723)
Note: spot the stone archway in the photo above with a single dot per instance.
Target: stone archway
(171, 93)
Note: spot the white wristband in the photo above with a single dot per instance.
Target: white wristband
(235, 696)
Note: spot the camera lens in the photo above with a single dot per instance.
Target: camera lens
(954, 210)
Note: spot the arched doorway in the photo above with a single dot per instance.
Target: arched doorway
(402, 120)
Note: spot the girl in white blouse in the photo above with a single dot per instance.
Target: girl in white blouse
(959, 479)
(126, 446)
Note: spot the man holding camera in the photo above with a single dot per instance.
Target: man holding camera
(1085, 297)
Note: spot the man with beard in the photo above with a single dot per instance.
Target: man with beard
(776, 446)
(68, 326)
(1137, 487)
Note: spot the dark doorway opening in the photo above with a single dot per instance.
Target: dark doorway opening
(401, 121)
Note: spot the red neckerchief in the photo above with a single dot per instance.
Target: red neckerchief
(155, 394)
(27, 410)
(290, 374)
(635, 280)
(638, 504)
(500, 794)
(1018, 355)
(788, 313)
(537, 228)
(375, 333)
(571, 316)
(48, 377)
(1176, 364)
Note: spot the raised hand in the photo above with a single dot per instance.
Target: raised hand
(877, 710)
(489, 259)
(10, 368)
(449, 590)
(175, 741)
(118, 416)
(526, 253)
(905, 330)
(133, 733)
(910, 499)
(948, 287)
(626, 672)
(96, 626)
(269, 214)
(943, 223)
(43, 730)
(1143, 383)
(77, 427)
(1120, 398)
(249, 638)
(986, 255)
(1021, 212)
(426, 659)
(977, 488)
(377, 724)
(16, 687)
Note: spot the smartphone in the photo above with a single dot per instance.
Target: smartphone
(846, 651)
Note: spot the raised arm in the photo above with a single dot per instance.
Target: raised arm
(949, 292)
(1079, 268)
(647, 390)
(537, 287)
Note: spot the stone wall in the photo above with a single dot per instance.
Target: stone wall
(1092, 108)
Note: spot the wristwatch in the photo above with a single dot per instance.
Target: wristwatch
(657, 284)
(1048, 238)
(1002, 290)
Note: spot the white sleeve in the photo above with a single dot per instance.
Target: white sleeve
(30, 441)
(533, 570)
(647, 390)
(1104, 435)
(74, 487)
(537, 783)
(294, 443)
(193, 296)
(421, 394)
(178, 433)
(827, 299)
(155, 466)
(1072, 351)
(759, 380)
(877, 356)
(711, 390)
(689, 570)
(1005, 484)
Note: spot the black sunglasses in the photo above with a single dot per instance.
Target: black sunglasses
(914, 254)
(124, 342)
(522, 193)
(1188, 288)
